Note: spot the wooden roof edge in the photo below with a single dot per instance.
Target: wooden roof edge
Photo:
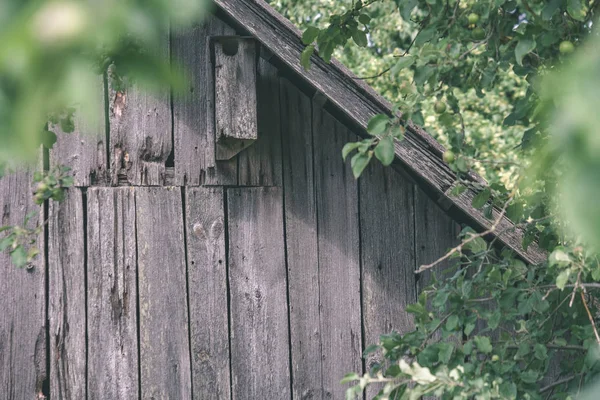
(419, 153)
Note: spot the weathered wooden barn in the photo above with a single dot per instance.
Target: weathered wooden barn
(215, 245)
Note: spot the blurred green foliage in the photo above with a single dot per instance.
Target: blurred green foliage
(53, 52)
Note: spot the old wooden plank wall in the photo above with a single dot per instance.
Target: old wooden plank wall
(339, 254)
(208, 296)
(67, 297)
(301, 243)
(22, 301)
(193, 110)
(263, 276)
(257, 277)
(164, 337)
(387, 226)
(140, 131)
(112, 335)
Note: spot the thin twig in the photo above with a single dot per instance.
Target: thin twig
(374, 76)
(459, 248)
(558, 383)
(590, 317)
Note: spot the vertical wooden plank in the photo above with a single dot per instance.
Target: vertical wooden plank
(67, 297)
(22, 301)
(193, 109)
(112, 294)
(339, 261)
(435, 234)
(235, 95)
(257, 278)
(205, 232)
(84, 149)
(260, 164)
(388, 255)
(164, 339)
(140, 131)
(301, 242)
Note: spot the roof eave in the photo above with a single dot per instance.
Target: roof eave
(419, 153)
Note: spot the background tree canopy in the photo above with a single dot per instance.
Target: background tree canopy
(509, 87)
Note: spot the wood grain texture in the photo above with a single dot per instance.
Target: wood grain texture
(419, 153)
(140, 131)
(257, 278)
(339, 260)
(22, 300)
(302, 243)
(164, 340)
(435, 234)
(84, 149)
(67, 297)
(193, 109)
(388, 255)
(260, 164)
(205, 231)
(235, 95)
(112, 294)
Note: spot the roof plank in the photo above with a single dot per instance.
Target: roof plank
(419, 153)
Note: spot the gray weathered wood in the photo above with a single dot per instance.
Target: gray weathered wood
(235, 95)
(301, 242)
(435, 234)
(339, 260)
(112, 294)
(85, 149)
(140, 131)
(67, 297)
(388, 255)
(193, 109)
(260, 164)
(205, 232)
(164, 339)
(22, 301)
(257, 278)
(418, 152)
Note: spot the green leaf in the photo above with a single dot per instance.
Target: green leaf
(481, 198)
(18, 257)
(452, 323)
(469, 327)
(310, 34)
(406, 7)
(372, 348)
(359, 162)
(6, 242)
(384, 151)
(305, 57)
(483, 344)
(559, 257)
(458, 190)
(48, 139)
(350, 378)
(397, 131)
(540, 352)
(529, 376)
(446, 350)
(378, 124)
(364, 19)
(348, 148)
(524, 47)
(550, 9)
(562, 279)
(403, 62)
(360, 38)
(577, 9)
